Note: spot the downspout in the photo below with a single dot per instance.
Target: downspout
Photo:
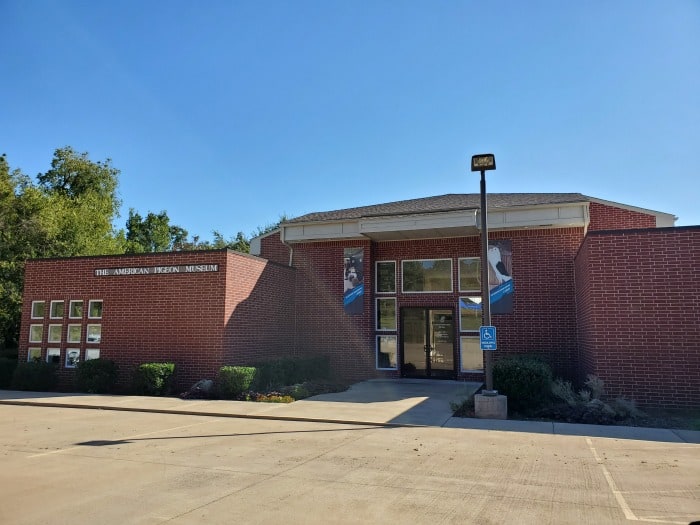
(291, 249)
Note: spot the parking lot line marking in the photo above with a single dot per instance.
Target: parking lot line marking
(126, 438)
(611, 483)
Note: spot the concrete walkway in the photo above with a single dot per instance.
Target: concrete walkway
(375, 402)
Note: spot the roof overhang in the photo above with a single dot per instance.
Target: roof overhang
(458, 223)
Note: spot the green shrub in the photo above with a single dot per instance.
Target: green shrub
(37, 376)
(7, 368)
(276, 374)
(234, 380)
(153, 379)
(96, 376)
(526, 380)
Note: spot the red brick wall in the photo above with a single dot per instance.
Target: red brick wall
(604, 217)
(259, 310)
(272, 248)
(638, 294)
(199, 321)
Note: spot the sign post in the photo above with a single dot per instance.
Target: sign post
(484, 163)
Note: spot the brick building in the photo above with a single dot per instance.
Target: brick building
(393, 290)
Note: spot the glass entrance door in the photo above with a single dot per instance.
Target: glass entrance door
(427, 337)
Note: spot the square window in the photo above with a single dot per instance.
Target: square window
(33, 355)
(57, 309)
(472, 357)
(386, 277)
(386, 352)
(426, 276)
(470, 274)
(53, 355)
(38, 309)
(92, 353)
(386, 313)
(95, 309)
(74, 332)
(94, 333)
(469, 313)
(36, 333)
(55, 333)
(72, 357)
(75, 311)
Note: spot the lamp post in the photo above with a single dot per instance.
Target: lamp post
(484, 163)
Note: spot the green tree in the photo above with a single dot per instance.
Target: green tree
(154, 233)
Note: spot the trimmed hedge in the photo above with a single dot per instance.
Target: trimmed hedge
(524, 379)
(275, 374)
(37, 376)
(96, 376)
(7, 368)
(153, 379)
(235, 380)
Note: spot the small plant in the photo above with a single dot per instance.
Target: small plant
(463, 408)
(595, 385)
(37, 376)
(96, 376)
(153, 379)
(272, 397)
(235, 380)
(563, 390)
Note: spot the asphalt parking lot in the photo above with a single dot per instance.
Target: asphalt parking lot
(85, 466)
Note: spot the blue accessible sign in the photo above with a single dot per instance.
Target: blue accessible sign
(487, 337)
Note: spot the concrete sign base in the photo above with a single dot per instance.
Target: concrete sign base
(490, 407)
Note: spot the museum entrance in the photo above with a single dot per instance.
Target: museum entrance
(427, 343)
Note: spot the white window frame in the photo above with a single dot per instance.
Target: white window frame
(67, 364)
(459, 310)
(459, 275)
(29, 353)
(87, 335)
(80, 333)
(90, 308)
(50, 353)
(51, 315)
(70, 308)
(461, 364)
(31, 330)
(52, 328)
(376, 351)
(452, 284)
(376, 310)
(37, 303)
(90, 353)
(376, 277)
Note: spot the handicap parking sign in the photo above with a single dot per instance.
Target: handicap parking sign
(487, 337)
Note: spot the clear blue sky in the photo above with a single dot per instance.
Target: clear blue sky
(227, 114)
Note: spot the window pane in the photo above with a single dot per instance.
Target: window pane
(36, 333)
(34, 355)
(74, 333)
(94, 333)
(427, 276)
(38, 308)
(469, 313)
(76, 310)
(72, 357)
(470, 274)
(386, 277)
(95, 310)
(55, 333)
(53, 355)
(472, 356)
(386, 351)
(92, 353)
(386, 314)
(57, 309)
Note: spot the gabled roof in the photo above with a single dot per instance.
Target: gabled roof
(442, 203)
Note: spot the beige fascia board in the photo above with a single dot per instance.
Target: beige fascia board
(542, 216)
(320, 231)
(427, 221)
